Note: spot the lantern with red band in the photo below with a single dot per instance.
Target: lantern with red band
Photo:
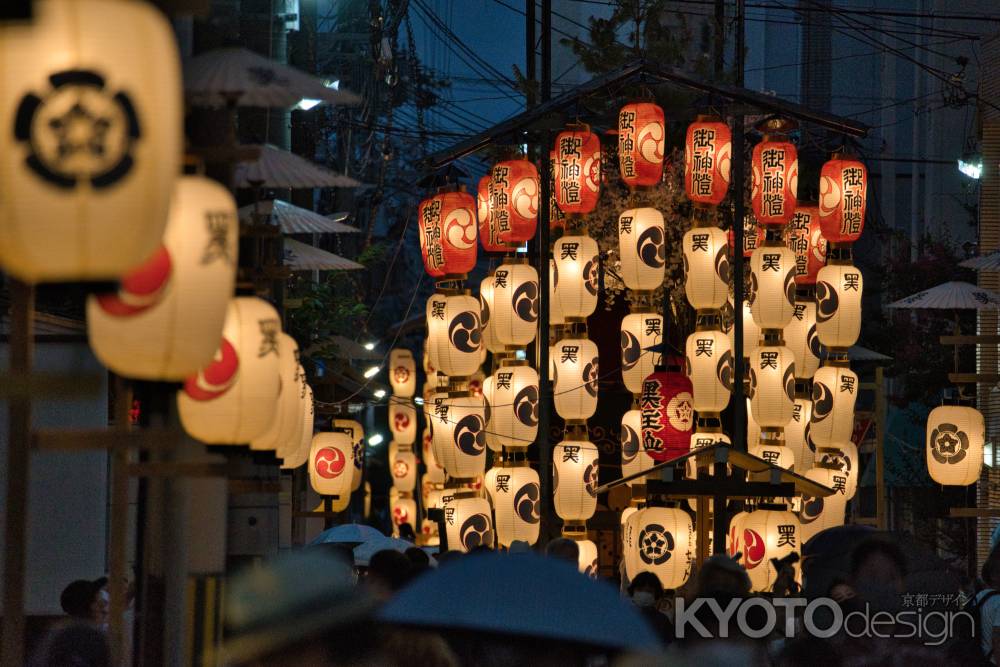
(448, 233)
(667, 412)
(577, 170)
(775, 181)
(641, 139)
(514, 191)
(487, 237)
(804, 237)
(843, 188)
(753, 237)
(707, 158)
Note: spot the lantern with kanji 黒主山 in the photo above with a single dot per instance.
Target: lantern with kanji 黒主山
(641, 248)
(403, 421)
(767, 534)
(801, 338)
(804, 237)
(707, 272)
(447, 228)
(356, 433)
(402, 373)
(834, 393)
(797, 434)
(575, 279)
(233, 399)
(775, 181)
(817, 513)
(839, 287)
(771, 292)
(640, 331)
(515, 304)
(468, 522)
(641, 140)
(574, 479)
(454, 333)
(92, 138)
(514, 201)
(577, 169)
(664, 545)
(844, 456)
(460, 431)
(955, 440)
(404, 471)
(331, 466)
(633, 460)
(575, 378)
(772, 385)
(488, 236)
(667, 408)
(516, 496)
(708, 153)
(288, 413)
(843, 190)
(710, 369)
(165, 320)
(514, 412)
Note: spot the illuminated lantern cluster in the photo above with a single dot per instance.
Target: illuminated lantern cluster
(576, 275)
(667, 412)
(956, 437)
(515, 304)
(454, 333)
(331, 467)
(575, 378)
(402, 373)
(577, 168)
(574, 479)
(641, 247)
(514, 191)
(708, 152)
(640, 331)
(468, 520)
(775, 181)
(767, 534)
(448, 233)
(707, 271)
(663, 543)
(843, 193)
(516, 496)
(641, 143)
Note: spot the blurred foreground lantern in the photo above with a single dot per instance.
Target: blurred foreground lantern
(586, 561)
(641, 140)
(767, 534)
(843, 190)
(331, 466)
(166, 319)
(92, 138)
(574, 479)
(772, 286)
(667, 408)
(707, 160)
(710, 369)
(707, 272)
(404, 511)
(402, 373)
(834, 393)
(838, 305)
(576, 274)
(488, 236)
(467, 520)
(801, 338)
(640, 331)
(514, 201)
(516, 496)
(515, 304)
(955, 440)
(577, 170)
(233, 399)
(357, 435)
(772, 385)
(403, 421)
(804, 237)
(640, 245)
(287, 420)
(819, 513)
(454, 333)
(664, 545)
(460, 431)
(575, 378)
(448, 233)
(300, 452)
(514, 413)
(775, 181)
(404, 471)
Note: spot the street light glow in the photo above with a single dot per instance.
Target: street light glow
(972, 168)
(369, 346)
(380, 393)
(372, 371)
(307, 103)
(375, 440)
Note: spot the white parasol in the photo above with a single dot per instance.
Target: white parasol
(303, 257)
(989, 262)
(277, 168)
(954, 295)
(294, 219)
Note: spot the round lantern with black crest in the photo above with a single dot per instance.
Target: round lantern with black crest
(468, 520)
(515, 303)
(817, 513)
(641, 142)
(575, 376)
(707, 272)
(839, 288)
(834, 393)
(709, 362)
(641, 248)
(771, 291)
(956, 436)
(576, 275)
(454, 332)
(772, 382)
(641, 330)
(574, 477)
(460, 433)
(667, 408)
(577, 170)
(708, 152)
(775, 167)
(448, 233)
(514, 401)
(515, 491)
(664, 544)
(514, 191)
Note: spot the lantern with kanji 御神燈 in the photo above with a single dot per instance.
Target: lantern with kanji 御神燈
(357, 435)
(775, 181)
(956, 436)
(404, 471)
(707, 160)
(797, 434)
(640, 331)
(460, 430)
(664, 545)
(454, 333)
(667, 408)
(575, 279)
(574, 479)
(514, 201)
(641, 247)
(515, 403)
(843, 190)
(288, 412)
(577, 169)
(404, 511)
(91, 142)
(331, 467)
(772, 385)
(586, 560)
(516, 496)
(710, 369)
(402, 373)
(403, 421)
(804, 237)
(753, 236)
(838, 305)
(771, 293)
(467, 521)
(707, 272)
(515, 304)
(575, 378)
(834, 393)
(817, 513)
(488, 236)
(633, 460)
(767, 534)
(233, 399)
(165, 320)
(447, 228)
(801, 338)
(641, 140)
(843, 455)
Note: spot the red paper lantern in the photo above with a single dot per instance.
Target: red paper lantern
(804, 237)
(448, 233)
(667, 414)
(707, 158)
(514, 201)
(641, 139)
(753, 237)
(843, 188)
(577, 170)
(487, 238)
(775, 181)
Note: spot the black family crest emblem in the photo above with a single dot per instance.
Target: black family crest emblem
(79, 131)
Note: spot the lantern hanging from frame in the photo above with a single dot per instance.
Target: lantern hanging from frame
(772, 385)
(843, 191)
(710, 369)
(356, 433)
(775, 167)
(515, 404)
(577, 169)
(834, 394)
(288, 412)
(448, 234)
(956, 438)
(667, 408)
(640, 331)
(641, 248)
(574, 479)
(708, 152)
(664, 545)
(771, 293)
(404, 511)
(839, 287)
(817, 513)
(488, 237)
(468, 521)
(516, 495)
(844, 456)
(707, 272)
(514, 191)
(402, 373)
(641, 142)
(633, 459)
(576, 275)
(804, 237)
(454, 333)
(515, 304)
(801, 338)
(404, 471)
(797, 434)
(403, 421)
(461, 429)
(767, 534)
(331, 465)
(575, 378)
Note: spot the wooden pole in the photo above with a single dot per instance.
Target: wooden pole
(739, 425)
(119, 526)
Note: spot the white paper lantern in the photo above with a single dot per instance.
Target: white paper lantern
(771, 293)
(797, 434)
(356, 433)
(233, 399)
(288, 445)
(403, 421)
(775, 453)
(576, 275)
(331, 467)
(710, 368)
(515, 304)
(574, 479)
(516, 497)
(734, 536)
(300, 454)
(838, 305)
(700, 440)
(767, 534)
(402, 373)
(404, 471)
(707, 272)
(956, 436)
(751, 332)
(819, 513)
(664, 545)
(428, 528)
(575, 378)
(165, 321)
(772, 385)
(489, 400)
(801, 338)
(284, 428)
(460, 432)
(515, 404)
(634, 460)
(587, 558)
(437, 417)
(467, 521)
(434, 473)
(556, 316)
(640, 331)
(437, 333)
(90, 106)
(753, 428)
(834, 393)
(404, 511)
(486, 309)
(642, 250)
(454, 334)
(630, 544)
(844, 456)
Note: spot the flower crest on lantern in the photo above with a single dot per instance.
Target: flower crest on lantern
(641, 142)
(641, 247)
(447, 229)
(577, 170)
(843, 190)
(664, 544)
(667, 407)
(514, 191)
(955, 440)
(488, 237)
(707, 160)
(804, 237)
(775, 175)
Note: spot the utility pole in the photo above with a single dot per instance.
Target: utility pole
(739, 425)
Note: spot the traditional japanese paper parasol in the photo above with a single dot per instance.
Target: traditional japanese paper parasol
(954, 295)
(277, 168)
(990, 262)
(303, 257)
(294, 219)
